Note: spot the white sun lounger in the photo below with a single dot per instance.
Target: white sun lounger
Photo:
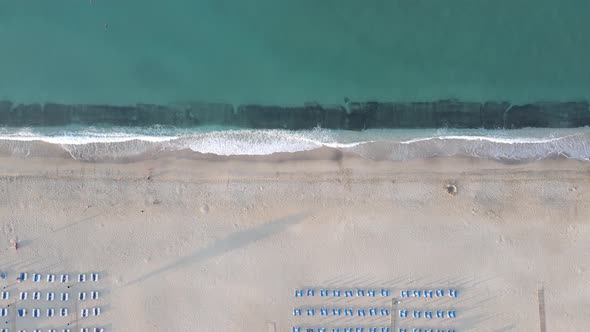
(50, 277)
(36, 312)
(3, 312)
(84, 312)
(50, 296)
(63, 312)
(96, 311)
(94, 277)
(50, 312)
(65, 296)
(37, 296)
(23, 296)
(82, 277)
(66, 330)
(36, 277)
(94, 295)
(98, 329)
(64, 278)
(5, 295)
(82, 296)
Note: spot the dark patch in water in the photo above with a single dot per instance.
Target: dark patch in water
(352, 116)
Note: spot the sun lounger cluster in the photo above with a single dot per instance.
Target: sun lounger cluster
(87, 311)
(340, 329)
(49, 312)
(50, 278)
(50, 296)
(359, 312)
(403, 313)
(416, 329)
(336, 292)
(428, 293)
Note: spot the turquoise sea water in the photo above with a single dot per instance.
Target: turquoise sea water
(289, 52)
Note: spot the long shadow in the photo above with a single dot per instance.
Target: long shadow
(232, 242)
(27, 242)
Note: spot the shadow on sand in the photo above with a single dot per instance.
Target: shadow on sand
(232, 242)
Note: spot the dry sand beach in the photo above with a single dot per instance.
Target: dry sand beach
(219, 244)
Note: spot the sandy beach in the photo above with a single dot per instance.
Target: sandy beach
(219, 244)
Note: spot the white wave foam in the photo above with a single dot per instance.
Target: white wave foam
(492, 139)
(262, 142)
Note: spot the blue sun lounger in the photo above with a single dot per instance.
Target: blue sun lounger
(452, 292)
(335, 329)
(348, 312)
(384, 292)
(361, 312)
(416, 293)
(360, 292)
(298, 293)
(323, 311)
(336, 292)
(405, 293)
(427, 314)
(417, 313)
(348, 293)
(403, 313)
(439, 293)
(336, 312)
(296, 329)
(384, 312)
(451, 314)
(324, 292)
(371, 292)
(310, 292)
(428, 293)
(310, 311)
(296, 312)
(440, 314)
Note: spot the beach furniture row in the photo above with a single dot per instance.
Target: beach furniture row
(84, 329)
(417, 329)
(37, 277)
(340, 329)
(341, 311)
(50, 296)
(50, 312)
(340, 292)
(428, 293)
(403, 313)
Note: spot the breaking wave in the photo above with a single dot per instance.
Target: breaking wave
(96, 144)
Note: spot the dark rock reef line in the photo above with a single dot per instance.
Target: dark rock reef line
(351, 116)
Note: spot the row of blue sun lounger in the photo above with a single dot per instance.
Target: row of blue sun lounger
(428, 313)
(374, 312)
(429, 293)
(364, 329)
(50, 296)
(339, 311)
(84, 329)
(339, 329)
(52, 277)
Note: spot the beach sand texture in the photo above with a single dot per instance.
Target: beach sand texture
(220, 244)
